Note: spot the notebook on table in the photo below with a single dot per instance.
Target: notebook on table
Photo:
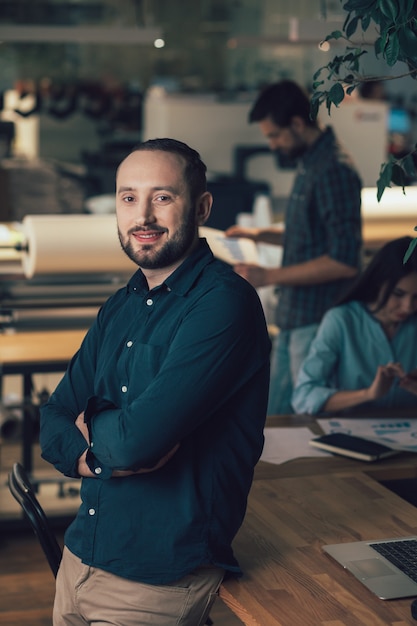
(353, 447)
(386, 567)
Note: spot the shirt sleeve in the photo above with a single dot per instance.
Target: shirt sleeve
(220, 345)
(61, 442)
(315, 381)
(338, 197)
(217, 348)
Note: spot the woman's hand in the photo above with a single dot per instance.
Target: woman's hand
(384, 378)
(409, 382)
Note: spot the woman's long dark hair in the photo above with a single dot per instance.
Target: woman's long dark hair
(382, 273)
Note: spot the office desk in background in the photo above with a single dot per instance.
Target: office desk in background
(35, 352)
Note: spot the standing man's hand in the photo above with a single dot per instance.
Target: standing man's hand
(243, 231)
(256, 275)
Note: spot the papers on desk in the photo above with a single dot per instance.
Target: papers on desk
(285, 444)
(398, 434)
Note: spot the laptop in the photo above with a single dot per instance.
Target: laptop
(386, 567)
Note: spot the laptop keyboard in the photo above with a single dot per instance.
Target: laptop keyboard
(402, 554)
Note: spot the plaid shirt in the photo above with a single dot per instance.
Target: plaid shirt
(322, 217)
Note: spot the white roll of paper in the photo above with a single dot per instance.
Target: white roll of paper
(73, 244)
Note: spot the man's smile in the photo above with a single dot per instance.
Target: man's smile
(148, 236)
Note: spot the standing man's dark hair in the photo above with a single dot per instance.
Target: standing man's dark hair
(281, 102)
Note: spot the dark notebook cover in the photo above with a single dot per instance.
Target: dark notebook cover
(351, 446)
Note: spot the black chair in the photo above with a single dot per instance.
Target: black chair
(22, 490)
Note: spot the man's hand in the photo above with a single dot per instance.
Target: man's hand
(256, 275)
(83, 468)
(82, 427)
(271, 235)
(243, 231)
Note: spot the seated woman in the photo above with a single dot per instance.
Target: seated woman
(365, 350)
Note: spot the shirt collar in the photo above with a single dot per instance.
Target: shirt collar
(322, 144)
(183, 278)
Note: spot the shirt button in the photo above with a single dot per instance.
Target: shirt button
(124, 388)
(129, 344)
(97, 470)
(149, 302)
(91, 511)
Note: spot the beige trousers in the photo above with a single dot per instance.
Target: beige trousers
(89, 596)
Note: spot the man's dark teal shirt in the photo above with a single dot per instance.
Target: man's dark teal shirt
(187, 363)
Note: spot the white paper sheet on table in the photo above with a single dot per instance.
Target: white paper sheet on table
(285, 444)
(399, 434)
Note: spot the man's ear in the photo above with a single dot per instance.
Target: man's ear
(204, 204)
(297, 124)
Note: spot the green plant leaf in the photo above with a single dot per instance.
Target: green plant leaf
(379, 46)
(336, 94)
(392, 49)
(314, 107)
(408, 165)
(407, 39)
(384, 179)
(336, 34)
(398, 175)
(389, 8)
(358, 5)
(351, 27)
(410, 249)
(366, 20)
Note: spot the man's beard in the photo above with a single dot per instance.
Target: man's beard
(289, 158)
(172, 251)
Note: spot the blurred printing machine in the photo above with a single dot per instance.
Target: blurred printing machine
(57, 270)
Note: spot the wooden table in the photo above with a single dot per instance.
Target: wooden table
(293, 510)
(28, 353)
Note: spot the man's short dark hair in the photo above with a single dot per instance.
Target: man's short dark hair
(195, 169)
(281, 102)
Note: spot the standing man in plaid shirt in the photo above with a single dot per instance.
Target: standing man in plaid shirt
(322, 238)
